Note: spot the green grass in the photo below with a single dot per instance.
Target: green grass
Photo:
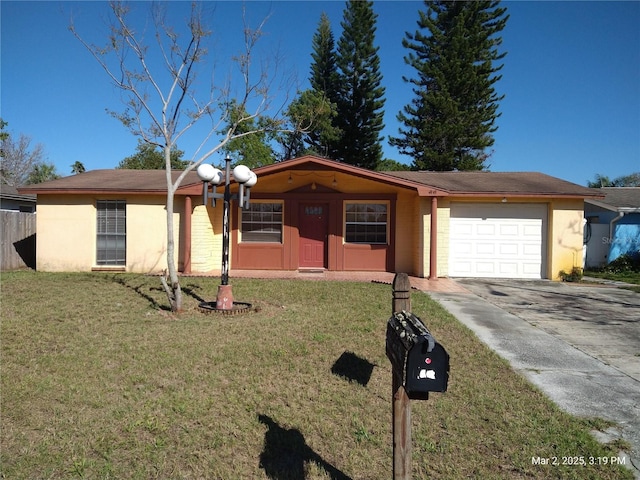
(100, 381)
(628, 276)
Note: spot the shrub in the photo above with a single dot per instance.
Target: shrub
(574, 276)
(624, 263)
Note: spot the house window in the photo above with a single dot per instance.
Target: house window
(111, 232)
(366, 223)
(262, 222)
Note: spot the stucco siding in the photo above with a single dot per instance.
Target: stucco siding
(147, 234)
(406, 224)
(565, 236)
(66, 233)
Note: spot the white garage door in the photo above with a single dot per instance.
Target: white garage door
(497, 240)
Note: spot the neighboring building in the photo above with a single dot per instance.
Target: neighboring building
(10, 199)
(613, 225)
(314, 213)
(17, 233)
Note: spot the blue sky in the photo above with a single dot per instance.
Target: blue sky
(571, 78)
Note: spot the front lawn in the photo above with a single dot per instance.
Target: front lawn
(100, 381)
(626, 276)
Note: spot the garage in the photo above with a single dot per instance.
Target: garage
(497, 240)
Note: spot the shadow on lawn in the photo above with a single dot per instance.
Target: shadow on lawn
(286, 451)
(187, 290)
(353, 368)
(138, 289)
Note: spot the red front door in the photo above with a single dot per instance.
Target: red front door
(313, 228)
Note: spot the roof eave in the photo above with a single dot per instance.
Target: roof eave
(96, 191)
(327, 164)
(568, 196)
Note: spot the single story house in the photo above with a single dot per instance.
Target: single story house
(315, 213)
(11, 200)
(613, 225)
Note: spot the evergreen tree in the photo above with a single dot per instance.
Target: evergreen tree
(361, 96)
(324, 72)
(42, 172)
(311, 130)
(631, 180)
(449, 123)
(323, 135)
(149, 157)
(78, 167)
(251, 147)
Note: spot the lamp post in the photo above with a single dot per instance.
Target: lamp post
(214, 177)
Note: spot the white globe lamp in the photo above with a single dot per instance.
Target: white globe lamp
(206, 172)
(242, 173)
(253, 179)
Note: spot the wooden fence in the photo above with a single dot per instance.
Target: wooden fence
(17, 240)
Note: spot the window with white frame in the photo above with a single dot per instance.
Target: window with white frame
(366, 223)
(262, 222)
(111, 238)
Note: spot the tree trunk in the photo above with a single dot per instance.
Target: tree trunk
(172, 288)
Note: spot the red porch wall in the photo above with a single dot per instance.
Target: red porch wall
(365, 257)
(340, 256)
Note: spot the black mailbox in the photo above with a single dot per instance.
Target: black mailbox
(422, 363)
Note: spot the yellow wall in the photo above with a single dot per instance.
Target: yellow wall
(421, 246)
(66, 233)
(407, 229)
(66, 229)
(444, 214)
(565, 236)
(147, 219)
(206, 245)
(422, 256)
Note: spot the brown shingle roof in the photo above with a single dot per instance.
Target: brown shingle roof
(474, 183)
(114, 180)
(11, 192)
(620, 197)
(453, 183)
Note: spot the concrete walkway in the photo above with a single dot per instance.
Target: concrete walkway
(423, 284)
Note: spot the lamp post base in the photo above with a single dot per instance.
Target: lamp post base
(224, 300)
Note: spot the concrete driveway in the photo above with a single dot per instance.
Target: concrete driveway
(578, 344)
(602, 321)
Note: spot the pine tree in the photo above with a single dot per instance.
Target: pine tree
(310, 118)
(324, 72)
(323, 136)
(361, 97)
(449, 123)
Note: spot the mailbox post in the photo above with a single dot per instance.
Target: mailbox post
(401, 406)
(419, 365)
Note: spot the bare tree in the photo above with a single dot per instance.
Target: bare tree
(162, 104)
(18, 158)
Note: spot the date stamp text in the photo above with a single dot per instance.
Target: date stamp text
(579, 461)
